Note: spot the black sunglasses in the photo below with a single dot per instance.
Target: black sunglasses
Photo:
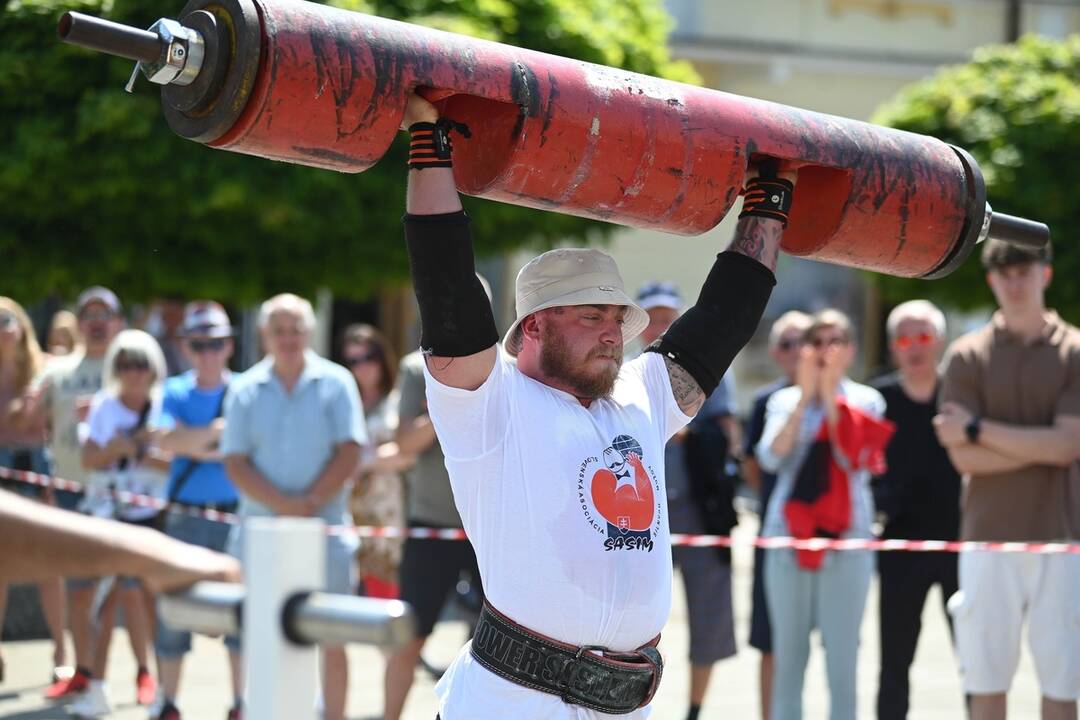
(201, 346)
(125, 365)
(354, 360)
(787, 344)
(8, 320)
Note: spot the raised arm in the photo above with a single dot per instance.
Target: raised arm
(698, 347)
(458, 334)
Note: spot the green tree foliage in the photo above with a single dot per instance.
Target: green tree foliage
(1016, 108)
(95, 188)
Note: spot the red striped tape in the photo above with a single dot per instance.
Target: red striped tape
(367, 531)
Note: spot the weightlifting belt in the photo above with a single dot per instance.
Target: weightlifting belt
(615, 682)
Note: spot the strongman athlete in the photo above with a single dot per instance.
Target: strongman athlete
(556, 460)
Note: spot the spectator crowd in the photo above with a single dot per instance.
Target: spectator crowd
(975, 440)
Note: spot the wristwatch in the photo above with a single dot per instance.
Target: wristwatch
(972, 429)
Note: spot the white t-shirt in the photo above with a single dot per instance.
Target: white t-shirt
(566, 509)
(108, 418)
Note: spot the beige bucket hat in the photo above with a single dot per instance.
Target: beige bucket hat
(572, 276)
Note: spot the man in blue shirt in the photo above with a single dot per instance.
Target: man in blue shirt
(192, 408)
(293, 431)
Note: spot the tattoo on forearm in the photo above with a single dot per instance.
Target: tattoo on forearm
(758, 238)
(688, 394)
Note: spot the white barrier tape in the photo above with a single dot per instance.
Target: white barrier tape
(367, 531)
(128, 498)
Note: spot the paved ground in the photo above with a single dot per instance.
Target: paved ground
(733, 694)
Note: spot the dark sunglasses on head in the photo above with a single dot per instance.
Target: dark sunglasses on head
(819, 343)
(212, 345)
(126, 365)
(354, 360)
(906, 341)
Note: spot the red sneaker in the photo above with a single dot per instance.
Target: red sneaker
(66, 687)
(145, 688)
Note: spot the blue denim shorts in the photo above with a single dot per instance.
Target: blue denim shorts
(172, 643)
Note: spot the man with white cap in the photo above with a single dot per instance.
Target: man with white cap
(556, 461)
(192, 425)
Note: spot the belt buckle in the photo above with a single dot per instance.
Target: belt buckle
(563, 683)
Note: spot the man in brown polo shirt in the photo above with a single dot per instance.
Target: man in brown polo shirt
(1010, 419)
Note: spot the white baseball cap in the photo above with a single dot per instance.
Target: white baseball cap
(572, 276)
(659, 294)
(206, 319)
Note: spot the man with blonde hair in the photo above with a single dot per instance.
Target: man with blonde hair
(293, 431)
(917, 498)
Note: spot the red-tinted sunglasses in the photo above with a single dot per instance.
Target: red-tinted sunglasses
(906, 341)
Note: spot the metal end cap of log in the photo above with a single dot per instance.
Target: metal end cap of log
(209, 106)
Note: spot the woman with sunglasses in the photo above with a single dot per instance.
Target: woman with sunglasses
(378, 494)
(125, 468)
(821, 437)
(22, 447)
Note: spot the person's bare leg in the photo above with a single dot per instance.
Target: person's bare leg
(335, 683)
(765, 675)
(149, 599)
(699, 683)
(51, 593)
(988, 707)
(1058, 709)
(3, 614)
(80, 606)
(169, 670)
(400, 670)
(101, 638)
(135, 620)
(236, 669)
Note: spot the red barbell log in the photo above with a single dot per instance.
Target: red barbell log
(319, 86)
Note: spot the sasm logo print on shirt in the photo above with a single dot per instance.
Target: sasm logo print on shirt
(620, 496)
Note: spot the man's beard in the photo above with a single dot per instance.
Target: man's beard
(557, 362)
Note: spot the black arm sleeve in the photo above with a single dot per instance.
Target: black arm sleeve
(708, 336)
(455, 313)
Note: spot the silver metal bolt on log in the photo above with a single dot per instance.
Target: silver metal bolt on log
(167, 53)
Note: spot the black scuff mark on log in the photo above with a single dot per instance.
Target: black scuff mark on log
(549, 109)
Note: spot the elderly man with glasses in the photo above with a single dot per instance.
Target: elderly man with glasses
(294, 427)
(918, 497)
